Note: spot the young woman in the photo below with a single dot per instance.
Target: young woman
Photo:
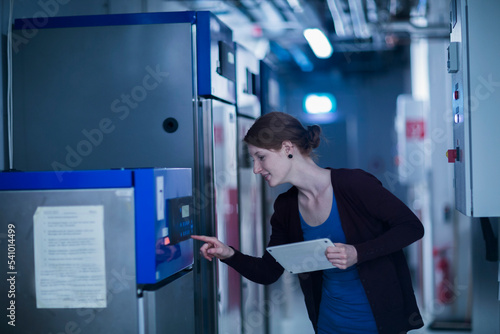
(370, 290)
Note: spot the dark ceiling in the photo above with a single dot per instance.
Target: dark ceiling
(365, 34)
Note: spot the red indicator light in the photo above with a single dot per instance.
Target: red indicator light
(451, 155)
(456, 95)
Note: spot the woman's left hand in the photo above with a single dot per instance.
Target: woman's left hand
(342, 256)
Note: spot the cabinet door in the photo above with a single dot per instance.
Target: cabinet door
(226, 204)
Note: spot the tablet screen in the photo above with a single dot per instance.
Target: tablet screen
(304, 256)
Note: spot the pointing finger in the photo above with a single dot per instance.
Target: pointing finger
(204, 238)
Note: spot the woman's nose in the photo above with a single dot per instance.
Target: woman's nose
(256, 167)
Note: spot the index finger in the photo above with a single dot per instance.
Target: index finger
(203, 238)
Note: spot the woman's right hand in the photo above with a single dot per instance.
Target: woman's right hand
(213, 248)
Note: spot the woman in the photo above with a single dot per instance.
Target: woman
(370, 290)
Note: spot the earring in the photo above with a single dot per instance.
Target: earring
(290, 156)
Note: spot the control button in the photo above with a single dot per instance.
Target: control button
(456, 95)
(166, 241)
(451, 155)
(457, 118)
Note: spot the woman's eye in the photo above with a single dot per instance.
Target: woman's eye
(261, 158)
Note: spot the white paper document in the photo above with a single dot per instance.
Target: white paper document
(70, 270)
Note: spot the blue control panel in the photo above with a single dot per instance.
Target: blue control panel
(164, 222)
(163, 211)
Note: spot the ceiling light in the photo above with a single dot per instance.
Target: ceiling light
(318, 42)
(320, 103)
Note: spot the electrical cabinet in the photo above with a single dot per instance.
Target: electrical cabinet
(472, 62)
(98, 251)
(138, 91)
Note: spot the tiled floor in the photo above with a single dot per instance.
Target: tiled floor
(292, 316)
(300, 324)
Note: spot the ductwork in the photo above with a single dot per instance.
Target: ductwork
(351, 25)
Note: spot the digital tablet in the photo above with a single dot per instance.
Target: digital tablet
(304, 256)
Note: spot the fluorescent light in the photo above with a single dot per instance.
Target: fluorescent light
(318, 42)
(320, 103)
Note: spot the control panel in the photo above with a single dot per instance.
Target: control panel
(164, 222)
(472, 64)
(180, 219)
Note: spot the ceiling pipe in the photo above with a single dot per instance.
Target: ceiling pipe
(361, 29)
(341, 20)
(430, 31)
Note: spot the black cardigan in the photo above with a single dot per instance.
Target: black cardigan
(377, 224)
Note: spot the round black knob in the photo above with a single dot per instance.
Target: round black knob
(170, 125)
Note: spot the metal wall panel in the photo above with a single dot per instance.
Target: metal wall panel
(98, 97)
(18, 208)
(162, 317)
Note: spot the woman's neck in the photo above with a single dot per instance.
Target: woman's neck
(310, 179)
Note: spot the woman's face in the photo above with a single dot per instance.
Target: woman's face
(272, 165)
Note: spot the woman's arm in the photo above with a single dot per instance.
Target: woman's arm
(391, 223)
(263, 270)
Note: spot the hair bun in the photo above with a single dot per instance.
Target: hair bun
(313, 135)
(270, 131)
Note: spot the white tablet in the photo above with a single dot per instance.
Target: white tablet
(304, 256)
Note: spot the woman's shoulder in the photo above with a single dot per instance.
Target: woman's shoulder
(352, 177)
(350, 172)
(287, 196)
(286, 200)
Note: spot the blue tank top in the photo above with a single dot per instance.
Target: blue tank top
(344, 308)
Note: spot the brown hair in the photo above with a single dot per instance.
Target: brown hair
(271, 130)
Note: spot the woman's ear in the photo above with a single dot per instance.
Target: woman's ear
(287, 146)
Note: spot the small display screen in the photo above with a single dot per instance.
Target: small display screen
(179, 219)
(185, 211)
(226, 59)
